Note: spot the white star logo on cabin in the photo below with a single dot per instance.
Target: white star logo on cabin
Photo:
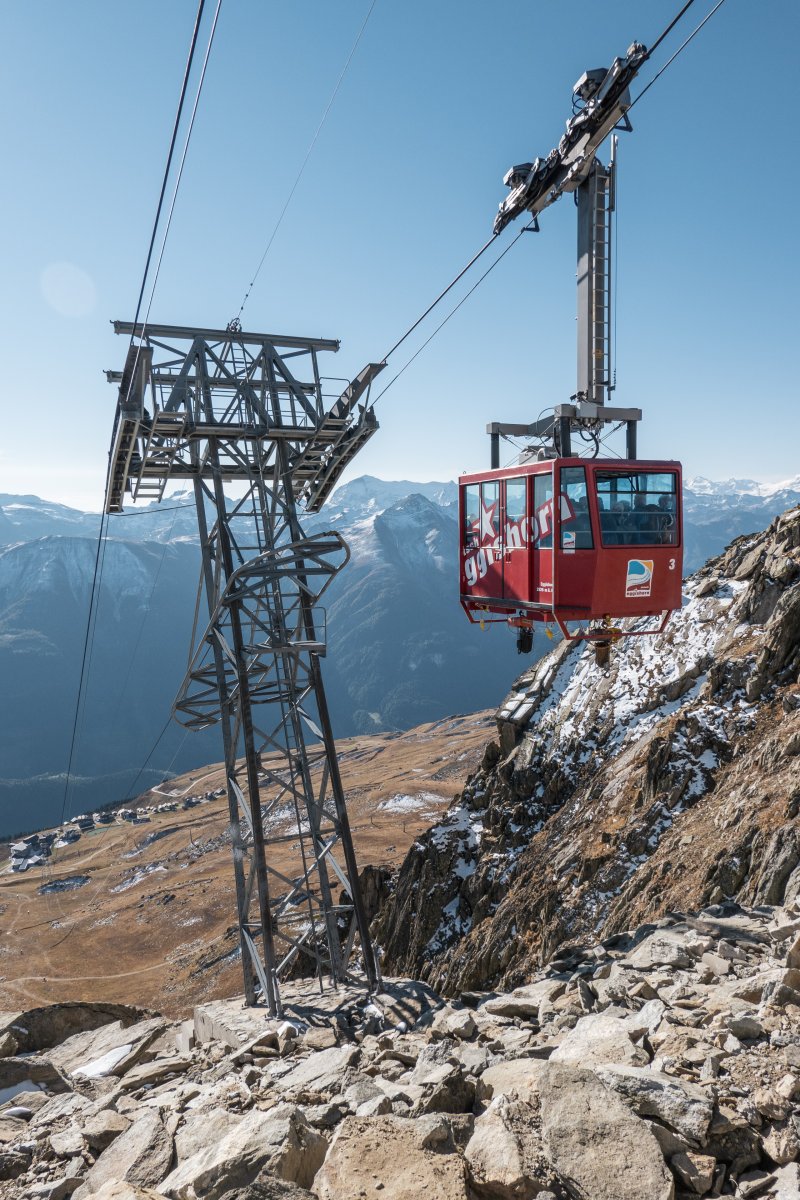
(484, 526)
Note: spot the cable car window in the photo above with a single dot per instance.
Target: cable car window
(542, 531)
(638, 508)
(515, 531)
(472, 513)
(576, 525)
(489, 517)
(516, 507)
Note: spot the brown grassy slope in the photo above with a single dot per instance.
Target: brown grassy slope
(166, 941)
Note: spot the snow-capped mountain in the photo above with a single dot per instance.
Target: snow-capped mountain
(138, 650)
(717, 512)
(368, 494)
(727, 488)
(23, 518)
(714, 512)
(400, 650)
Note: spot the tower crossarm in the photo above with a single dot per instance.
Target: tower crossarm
(246, 392)
(604, 98)
(340, 437)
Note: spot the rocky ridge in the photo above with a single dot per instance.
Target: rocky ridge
(670, 779)
(663, 1063)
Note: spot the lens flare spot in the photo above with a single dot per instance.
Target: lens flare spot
(68, 289)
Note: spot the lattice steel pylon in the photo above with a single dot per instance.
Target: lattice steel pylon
(242, 417)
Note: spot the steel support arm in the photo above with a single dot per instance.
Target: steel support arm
(536, 185)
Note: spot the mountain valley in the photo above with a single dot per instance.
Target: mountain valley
(143, 912)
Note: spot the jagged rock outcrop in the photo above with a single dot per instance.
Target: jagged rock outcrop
(669, 779)
(665, 1066)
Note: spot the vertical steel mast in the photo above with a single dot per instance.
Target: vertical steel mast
(601, 100)
(242, 417)
(595, 207)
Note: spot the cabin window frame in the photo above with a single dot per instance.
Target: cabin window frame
(664, 526)
(491, 503)
(470, 540)
(542, 504)
(512, 516)
(576, 525)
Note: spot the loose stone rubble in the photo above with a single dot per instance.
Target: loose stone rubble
(660, 1064)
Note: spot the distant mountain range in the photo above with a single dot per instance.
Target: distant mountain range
(400, 650)
(700, 486)
(716, 512)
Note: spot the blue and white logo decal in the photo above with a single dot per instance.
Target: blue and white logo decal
(639, 578)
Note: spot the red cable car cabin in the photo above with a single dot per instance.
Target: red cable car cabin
(611, 547)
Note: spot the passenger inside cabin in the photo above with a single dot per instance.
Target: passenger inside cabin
(581, 524)
(646, 521)
(618, 531)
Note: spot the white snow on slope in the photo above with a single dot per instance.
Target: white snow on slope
(581, 716)
(137, 876)
(642, 667)
(404, 803)
(103, 1065)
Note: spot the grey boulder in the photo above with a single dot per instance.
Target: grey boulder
(280, 1140)
(595, 1143)
(681, 1106)
(392, 1158)
(141, 1156)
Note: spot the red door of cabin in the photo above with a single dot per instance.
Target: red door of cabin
(577, 560)
(482, 548)
(542, 538)
(516, 540)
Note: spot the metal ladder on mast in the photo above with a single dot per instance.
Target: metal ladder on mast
(601, 291)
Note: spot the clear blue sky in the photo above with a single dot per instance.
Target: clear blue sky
(441, 98)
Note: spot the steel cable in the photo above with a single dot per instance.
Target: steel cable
(440, 297)
(88, 641)
(103, 531)
(181, 165)
(669, 28)
(304, 163)
(173, 140)
(454, 310)
(123, 688)
(658, 74)
(680, 49)
(485, 247)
